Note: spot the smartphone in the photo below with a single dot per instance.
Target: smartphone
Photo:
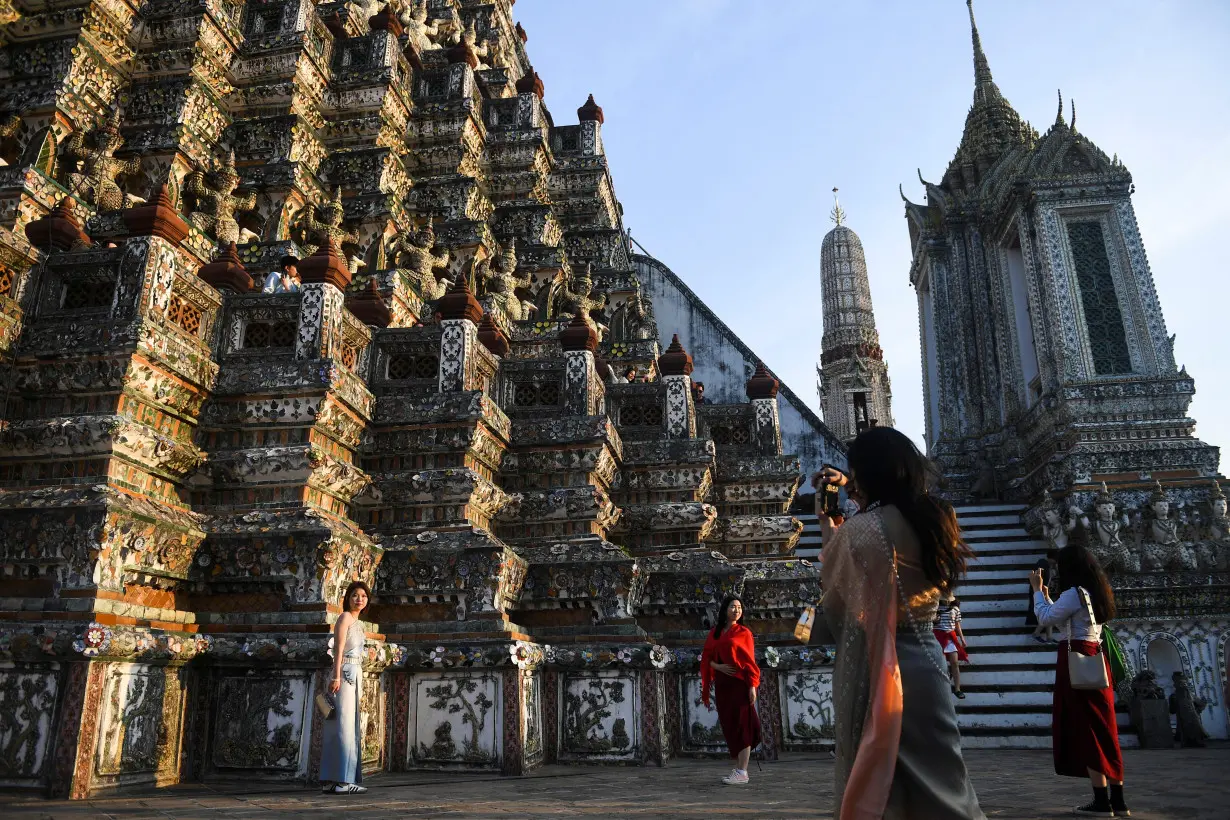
(832, 500)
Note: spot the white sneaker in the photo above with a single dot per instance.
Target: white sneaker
(736, 778)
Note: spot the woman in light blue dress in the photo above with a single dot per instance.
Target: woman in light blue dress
(341, 764)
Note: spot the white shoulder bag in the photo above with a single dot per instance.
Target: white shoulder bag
(1086, 671)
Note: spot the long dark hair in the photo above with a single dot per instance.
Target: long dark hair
(720, 625)
(888, 468)
(350, 589)
(1078, 567)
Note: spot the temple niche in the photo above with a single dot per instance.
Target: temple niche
(1050, 379)
(191, 470)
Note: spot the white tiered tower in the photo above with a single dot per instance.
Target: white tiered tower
(855, 392)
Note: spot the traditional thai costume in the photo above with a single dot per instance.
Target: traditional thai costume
(898, 745)
(736, 713)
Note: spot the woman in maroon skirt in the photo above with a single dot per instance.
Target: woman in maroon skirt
(728, 662)
(1085, 735)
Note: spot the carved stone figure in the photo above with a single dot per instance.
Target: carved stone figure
(424, 36)
(632, 321)
(329, 224)
(1106, 542)
(984, 485)
(1164, 529)
(1219, 521)
(1187, 708)
(577, 298)
(1150, 712)
(1054, 529)
(1164, 549)
(7, 131)
(498, 279)
(414, 251)
(217, 203)
(1216, 532)
(93, 171)
(470, 38)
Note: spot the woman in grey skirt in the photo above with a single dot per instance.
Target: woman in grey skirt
(884, 570)
(341, 765)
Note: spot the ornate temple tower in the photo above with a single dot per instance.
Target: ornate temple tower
(1046, 361)
(855, 392)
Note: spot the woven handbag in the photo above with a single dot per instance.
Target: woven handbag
(1086, 671)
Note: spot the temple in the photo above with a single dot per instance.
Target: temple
(854, 388)
(1053, 401)
(192, 469)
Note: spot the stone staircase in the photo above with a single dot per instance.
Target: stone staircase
(1009, 680)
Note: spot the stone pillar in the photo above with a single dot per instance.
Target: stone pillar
(591, 119)
(77, 730)
(325, 276)
(766, 419)
(679, 415)
(512, 761)
(460, 314)
(582, 389)
(654, 738)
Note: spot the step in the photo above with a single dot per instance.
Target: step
(987, 549)
(972, 621)
(1008, 584)
(988, 520)
(971, 675)
(1002, 605)
(994, 739)
(995, 532)
(1002, 639)
(1023, 558)
(1036, 699)
(986, 509)
(1014, 720)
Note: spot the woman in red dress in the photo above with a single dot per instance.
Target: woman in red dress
(728, 662)
(1083, 726)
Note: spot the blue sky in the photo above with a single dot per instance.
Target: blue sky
(728, 122)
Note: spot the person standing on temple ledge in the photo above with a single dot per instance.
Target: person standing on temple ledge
(341, 765)
(730, 652)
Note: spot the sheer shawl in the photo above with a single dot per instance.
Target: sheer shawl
(860, 603)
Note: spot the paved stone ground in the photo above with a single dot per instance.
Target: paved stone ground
(1011, 784)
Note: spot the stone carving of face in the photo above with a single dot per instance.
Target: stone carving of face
(1161, 509)
(1106, 512)
(109, 141)
(1219, 507)
(1052, 517)
(332, 214)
